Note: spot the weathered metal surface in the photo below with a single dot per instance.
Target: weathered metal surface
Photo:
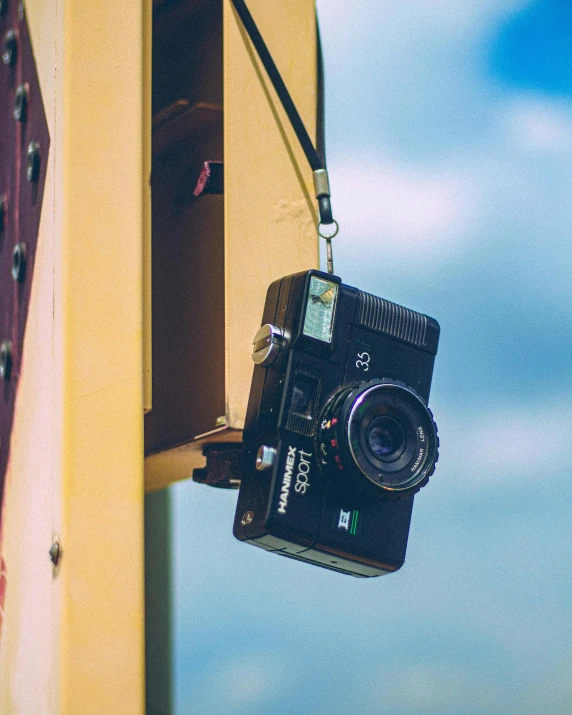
(24, 146)
(224, 462)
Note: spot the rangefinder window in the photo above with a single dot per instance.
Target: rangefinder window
(320, 309)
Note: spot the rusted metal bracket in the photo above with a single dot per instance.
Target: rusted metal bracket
(24, 145)
(224, 462)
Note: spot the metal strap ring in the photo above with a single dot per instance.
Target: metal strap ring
(328, 236)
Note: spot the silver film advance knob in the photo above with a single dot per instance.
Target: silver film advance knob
(267, 343)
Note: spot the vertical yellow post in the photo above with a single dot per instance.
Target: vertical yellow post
(102, 486)
(72, 637)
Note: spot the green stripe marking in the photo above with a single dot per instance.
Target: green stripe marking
(353, 527)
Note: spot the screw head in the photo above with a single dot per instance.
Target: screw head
(55, 552)
(20, 103)
(33, 170)
(19, 262)
(10, 48)
(247, 518)
(5, 360)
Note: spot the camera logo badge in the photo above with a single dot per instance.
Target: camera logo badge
(348, 521)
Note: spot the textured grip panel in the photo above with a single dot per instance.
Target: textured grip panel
(395, 320)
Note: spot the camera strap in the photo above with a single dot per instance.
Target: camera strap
(317, 162)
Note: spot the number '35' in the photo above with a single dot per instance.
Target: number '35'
(363, 361)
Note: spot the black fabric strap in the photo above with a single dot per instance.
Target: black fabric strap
(324, 202)
(321, 113)
(316, 161)
(278, 83)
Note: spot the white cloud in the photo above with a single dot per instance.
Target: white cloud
(431, 164)
(429, 688)
(503, 200)
(249, 683)
(538, 124)
(553, 691)
(407, 212)
(452, 688)
(410, 72)
(238, 685)
(422, 18)
(524, 443)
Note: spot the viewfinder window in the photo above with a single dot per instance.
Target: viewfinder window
(303, 396)
(303, 402)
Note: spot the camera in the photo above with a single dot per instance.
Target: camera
(338, 436)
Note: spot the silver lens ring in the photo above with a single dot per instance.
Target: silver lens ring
(403, 453)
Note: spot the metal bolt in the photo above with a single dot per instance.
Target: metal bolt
(55, 551)
(3, 208)
(33, 171)
(5, 360)
(247, 518)
(265, 457)
(10, 51)
(20, 103)
(19, 262)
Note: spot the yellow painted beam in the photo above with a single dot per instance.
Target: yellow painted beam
(102, 668)
(270, 214)
(72, 640)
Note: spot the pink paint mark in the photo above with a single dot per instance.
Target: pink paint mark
(203, 179)
(3, 588)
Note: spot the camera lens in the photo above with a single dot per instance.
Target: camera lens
(385, 438)
(382, 430)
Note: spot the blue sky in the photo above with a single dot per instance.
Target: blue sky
(450, 151)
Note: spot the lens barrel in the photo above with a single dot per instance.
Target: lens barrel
(385, 431)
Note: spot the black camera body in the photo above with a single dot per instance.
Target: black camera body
(338, 436)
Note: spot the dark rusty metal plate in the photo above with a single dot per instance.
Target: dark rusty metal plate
(24, 145)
